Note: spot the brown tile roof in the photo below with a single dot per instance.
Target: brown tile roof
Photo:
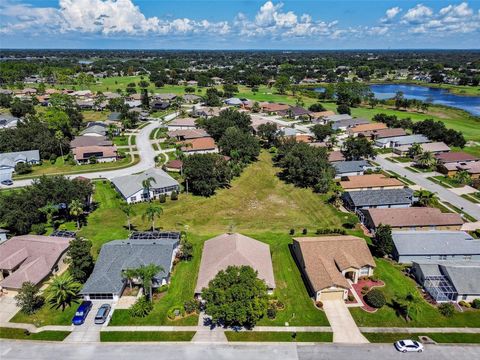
(234, 250)
(384, 133)
(433, 147)
(174, 164)
(274, 107)
(325, 257)
(372, 180)
(367, 127)
(35, 255)
(82, 153)
(471, 167)
(80, 141)
(455, 157)
(320, 114)
(187, 134)
(414, 216)
(206, 143)
(336, 156)
(183, 122)
(304, 138)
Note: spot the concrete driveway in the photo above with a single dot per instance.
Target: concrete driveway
(8, 308)
(344, 328)
(88, 331)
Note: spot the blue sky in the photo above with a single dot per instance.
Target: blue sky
(239, 24)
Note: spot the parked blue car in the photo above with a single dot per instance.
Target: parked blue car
(82, 313)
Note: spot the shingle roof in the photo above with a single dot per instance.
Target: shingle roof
(338, 117)
(234, 250)
(380, 197)
(12, 158)
(325, 257)
(464, 278)
(131, 184)
(430, 147)
(404, 140)
(415, 216)
(348, 123)
(80, 141)
(343, 167)
(372, 180)
(190, 122)
(95, 129)
(84, 152)
(455, 157)
(435, 243)
(188, 133)
(120, 255)
(204, 143)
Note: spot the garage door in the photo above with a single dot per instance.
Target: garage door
(331, 295)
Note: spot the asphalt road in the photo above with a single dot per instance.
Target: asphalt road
(145, 150)
(443, 193)
(16, 350)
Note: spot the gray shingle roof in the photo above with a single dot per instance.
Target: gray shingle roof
(95, 129)
(12, 158)
(348, 123)
(380, 197)
(120, 255)
(131, 184)
(338, 117)
(343, 167)
(404, 140)
(435, 243)
(465, 279)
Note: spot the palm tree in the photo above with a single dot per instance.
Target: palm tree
(151, 213)
(128, 210)
(76, 209)
(59, 137)
(415, 150)
(129, 275)
(462, 177)
(62, 291)
(426, 198)
(426, 160)
(112, 129)
(147, 273)
(49, 210)
(332, 141)
(147, 184)
(413, 305)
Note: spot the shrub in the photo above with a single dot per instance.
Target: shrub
(375, 298)
(279, 305)
(162, 288)
(271, 312)
(365, 290)
(23, 168)
(351, 297)
(292, 231)
(304, 232)
(476, 304)
(141, 308)
(343, 109)
(162, 198)
(319, 304)
(446, 309)
(190, 306)
(174, 196)
(39, 229)
(53, 159)
(464, 304)
(175, 311)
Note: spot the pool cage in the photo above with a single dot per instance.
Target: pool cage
(154, 235)
(440, 288)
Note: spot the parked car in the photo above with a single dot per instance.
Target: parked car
(408, 346)
(82, 313)
(7, 182)
(102, 314)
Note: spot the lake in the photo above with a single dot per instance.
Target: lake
(438, 96)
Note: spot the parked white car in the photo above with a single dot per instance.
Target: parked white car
(408, 346)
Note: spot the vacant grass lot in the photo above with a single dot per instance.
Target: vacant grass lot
(279, 336)
(20, 334)
(452, 338)
(129, 336)
(398, 285)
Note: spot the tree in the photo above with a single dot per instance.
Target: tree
(151, 213)
(129, 275)
(20, 108)
(356, 148)
(147, 185)
(343, 109)
(212, 97)
(145, 99)
(49, 210)
(141, 308)
(239, 145)
(256, 107)
(58, 120)
(146, 274)
(28, 299)
(62, 291)
(76, 210)
(204, 173)
(426, 198)
(229, 90)
(268, 132)
(372, 100)
(321, 132)
(23, 168)
(129, 211)
(236, 297)
(112, 130)
(382, 240)
(80, 259)
(216, 126)
(415, 150)
(413, 305)
(399, 99)
(143, 84)
(59, 137)
(446, 309)
(462, 177)
(282, 84)
(317, 107)
(425, 160)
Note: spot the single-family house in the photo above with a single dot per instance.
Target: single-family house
(190, 98)
(386, 198)
(203, 145)
(81, 141)
(158, 105)
(273, 108)
(433, 147)
(368, 127)
(174, 165)
(95, 130)
(335, 156)
(8, 121)
(187, 134)
(349, 168)
(132, 190)
(295, 112)
(102, 154)
(414, 218)
(234, 249)
(409, 140)
(31, 258)
(370, 182)
(8, 161)
(471, 167)
(165, 97)
(182, 124)
(383, 133)
(330, 264)
(455, 157)
(3, 235)
(449, 281)
(343, 125)
(434, 245)
(107, 281)
(335, 118)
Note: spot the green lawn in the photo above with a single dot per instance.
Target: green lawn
(120, 140)
(452, 338)
(472, 198)
(20, 334)
(128, 336)
(397, 284)
(270, 336)
(47, 316)
(445, 181)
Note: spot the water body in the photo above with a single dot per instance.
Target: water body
(438, 96)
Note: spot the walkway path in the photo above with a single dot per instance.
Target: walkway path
(443, 193)
(207, 334)
(344, 328)
(8, 308)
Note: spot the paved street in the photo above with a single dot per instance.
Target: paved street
(21, 350)
(443, 193)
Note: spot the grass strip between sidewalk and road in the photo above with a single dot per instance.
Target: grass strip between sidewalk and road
(273, 336)
(21, 334)
(130, 336)
(444, 338)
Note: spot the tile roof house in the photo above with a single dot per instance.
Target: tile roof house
(330, 262)
(182, 124)
(81, 141)
(434, 245)
(392, 142)
(370, 182)
(343, 125)
(335, 118)
(414, 218)
(433, 147)
(295, 112)
(203, 145)
(384, 133)
(471, 167)
(101, 154)
(448, 281)
(187, 134)
(386, 198)
(349, 168)
(335, 156)
(106, 280)
(361, 128)
(30, 258)
(235, 249)
(273, 107)
(453, 157)
(174, 165)
(132, 190)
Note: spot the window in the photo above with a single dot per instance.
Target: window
(364, 271)
(467, 257)
(442, 257)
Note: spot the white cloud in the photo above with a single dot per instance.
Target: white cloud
(391, 13)
(417, 14)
